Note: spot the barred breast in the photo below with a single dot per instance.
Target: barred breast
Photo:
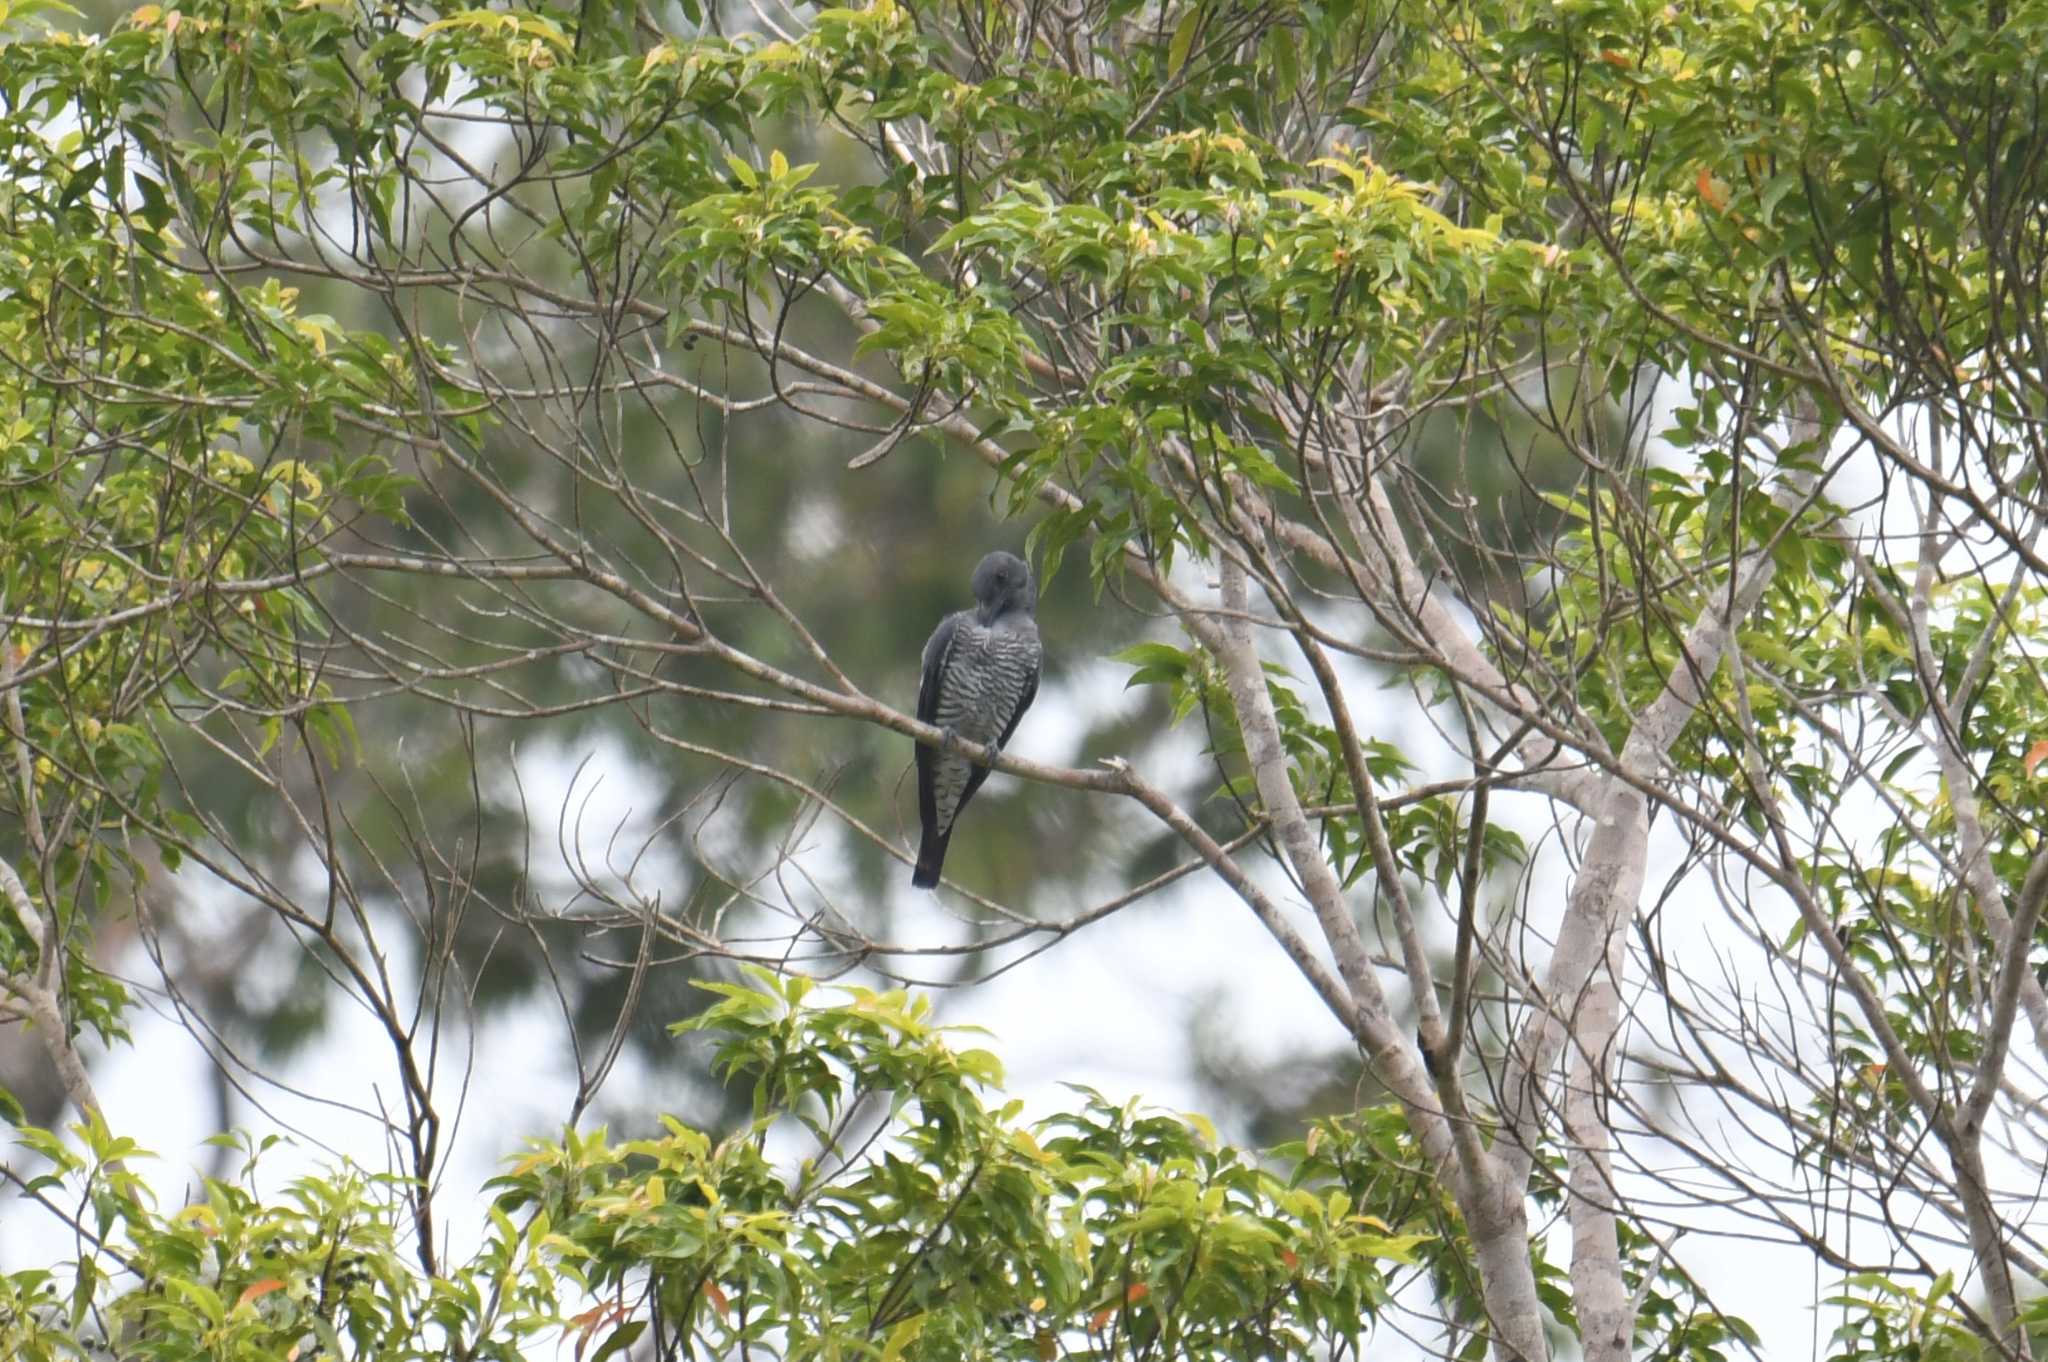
(987, 672)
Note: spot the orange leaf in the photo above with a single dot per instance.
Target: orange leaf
(255, 1289)
(1621, 59)
(586, 1325)
(2035, 755)
(1137, 1293)
(1100, 1319)
(717, 1298)
(1712, 190)
(1291, 1258)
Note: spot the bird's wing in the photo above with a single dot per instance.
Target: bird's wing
(936, 650)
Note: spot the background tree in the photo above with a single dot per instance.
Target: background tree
(1654, 394)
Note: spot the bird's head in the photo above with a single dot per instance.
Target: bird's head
(1003, 583)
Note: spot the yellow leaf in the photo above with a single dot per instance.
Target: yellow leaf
(902, 1336)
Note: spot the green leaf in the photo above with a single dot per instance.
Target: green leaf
(619, 1340)
(1156, 663)
(1183, 40)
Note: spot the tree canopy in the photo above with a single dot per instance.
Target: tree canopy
(1573, 469)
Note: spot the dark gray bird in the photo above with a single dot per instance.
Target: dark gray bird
(980, 675)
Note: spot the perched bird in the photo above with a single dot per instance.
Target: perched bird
(980, 675)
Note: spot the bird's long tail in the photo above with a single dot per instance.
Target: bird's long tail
(931, 854)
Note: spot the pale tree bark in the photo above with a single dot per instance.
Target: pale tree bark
(1492, 1204)
(39, 991)
(1600, 1295)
